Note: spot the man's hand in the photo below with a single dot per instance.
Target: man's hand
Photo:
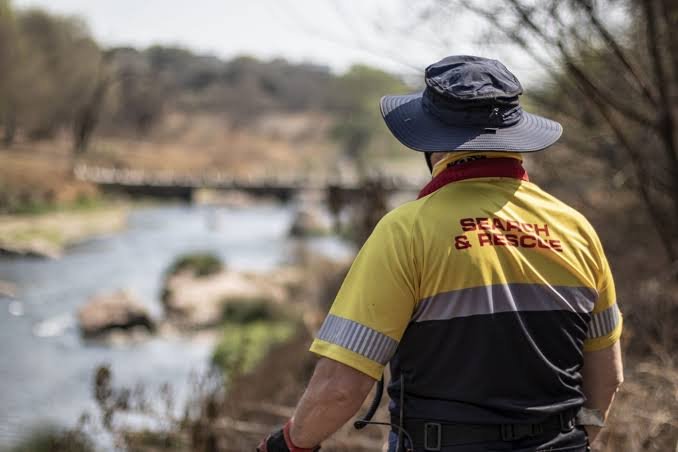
(280, 441)
(275, 442)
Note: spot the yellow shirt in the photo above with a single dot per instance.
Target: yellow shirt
(475, 248)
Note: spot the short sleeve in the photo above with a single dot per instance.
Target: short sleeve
(375, 302)
(605, 326)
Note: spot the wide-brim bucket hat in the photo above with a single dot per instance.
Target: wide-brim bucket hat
(469, 104)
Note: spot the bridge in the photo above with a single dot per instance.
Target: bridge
(172, 184)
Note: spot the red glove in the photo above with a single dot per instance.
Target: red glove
(280, 441)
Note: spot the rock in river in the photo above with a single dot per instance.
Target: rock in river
(310, 222)
(117, 311)
(197, 302)
(7, 289)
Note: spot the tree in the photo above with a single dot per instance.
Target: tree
(359, 126)
(59, 61)
(8, 58)
(140, 91)
(88, 114)
(48, 62)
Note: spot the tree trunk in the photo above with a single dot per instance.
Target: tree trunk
(88, 118)
(10, 125)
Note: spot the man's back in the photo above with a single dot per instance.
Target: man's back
(508, 279)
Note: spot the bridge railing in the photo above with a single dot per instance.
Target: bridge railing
(225, 180)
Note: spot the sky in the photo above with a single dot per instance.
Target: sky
(336, 33)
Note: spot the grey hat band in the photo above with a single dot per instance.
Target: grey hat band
(493, 113)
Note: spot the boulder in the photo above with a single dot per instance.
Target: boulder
(7, 289)
(38, 248)
(199, 302)
(116, 311)
(310, 222)
(290, 278)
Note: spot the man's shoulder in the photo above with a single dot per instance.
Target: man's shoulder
(565, 210)
(397, 224)
(404, 215)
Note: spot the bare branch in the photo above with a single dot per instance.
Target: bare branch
(668, 121)
(511, 34)
(318, 32)
(616, 48)
(669, 11)
(611, 100)
(639, 165)
(630, 113)
(526, 17)
(569, 60)
(492, 18)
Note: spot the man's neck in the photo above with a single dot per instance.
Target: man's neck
(456, 158)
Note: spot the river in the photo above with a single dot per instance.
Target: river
(46, 369)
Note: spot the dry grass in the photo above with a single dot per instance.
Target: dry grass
(210, 142)
(49, 233)
(265, 398)
(36, 175)
(645, 415)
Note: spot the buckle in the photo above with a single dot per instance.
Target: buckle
(433, 433)
(567, 423)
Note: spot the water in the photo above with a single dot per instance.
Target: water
(46, 369)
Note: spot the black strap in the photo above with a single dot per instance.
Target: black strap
(432, 435)
(365, 420)
(395, 426)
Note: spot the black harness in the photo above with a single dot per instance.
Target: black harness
(398, 427)
(432, 436)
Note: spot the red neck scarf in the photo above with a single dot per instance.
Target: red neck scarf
(490, 167)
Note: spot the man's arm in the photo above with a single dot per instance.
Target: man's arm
(333, 396)
(360, 334)
(602, 375)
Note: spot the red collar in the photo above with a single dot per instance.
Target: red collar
(491, 167)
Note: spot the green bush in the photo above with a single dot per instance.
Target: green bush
(243, 346)
(248, 311)
(250, 328)
(51, 439)
(147, 440)
(200, 264)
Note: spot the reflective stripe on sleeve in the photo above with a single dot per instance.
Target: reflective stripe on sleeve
(604, 322)
(358, 338)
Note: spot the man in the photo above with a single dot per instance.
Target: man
(492, 301)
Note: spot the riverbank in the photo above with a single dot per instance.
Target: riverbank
(49, 234)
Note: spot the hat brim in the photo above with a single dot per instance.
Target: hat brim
(418, 130)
